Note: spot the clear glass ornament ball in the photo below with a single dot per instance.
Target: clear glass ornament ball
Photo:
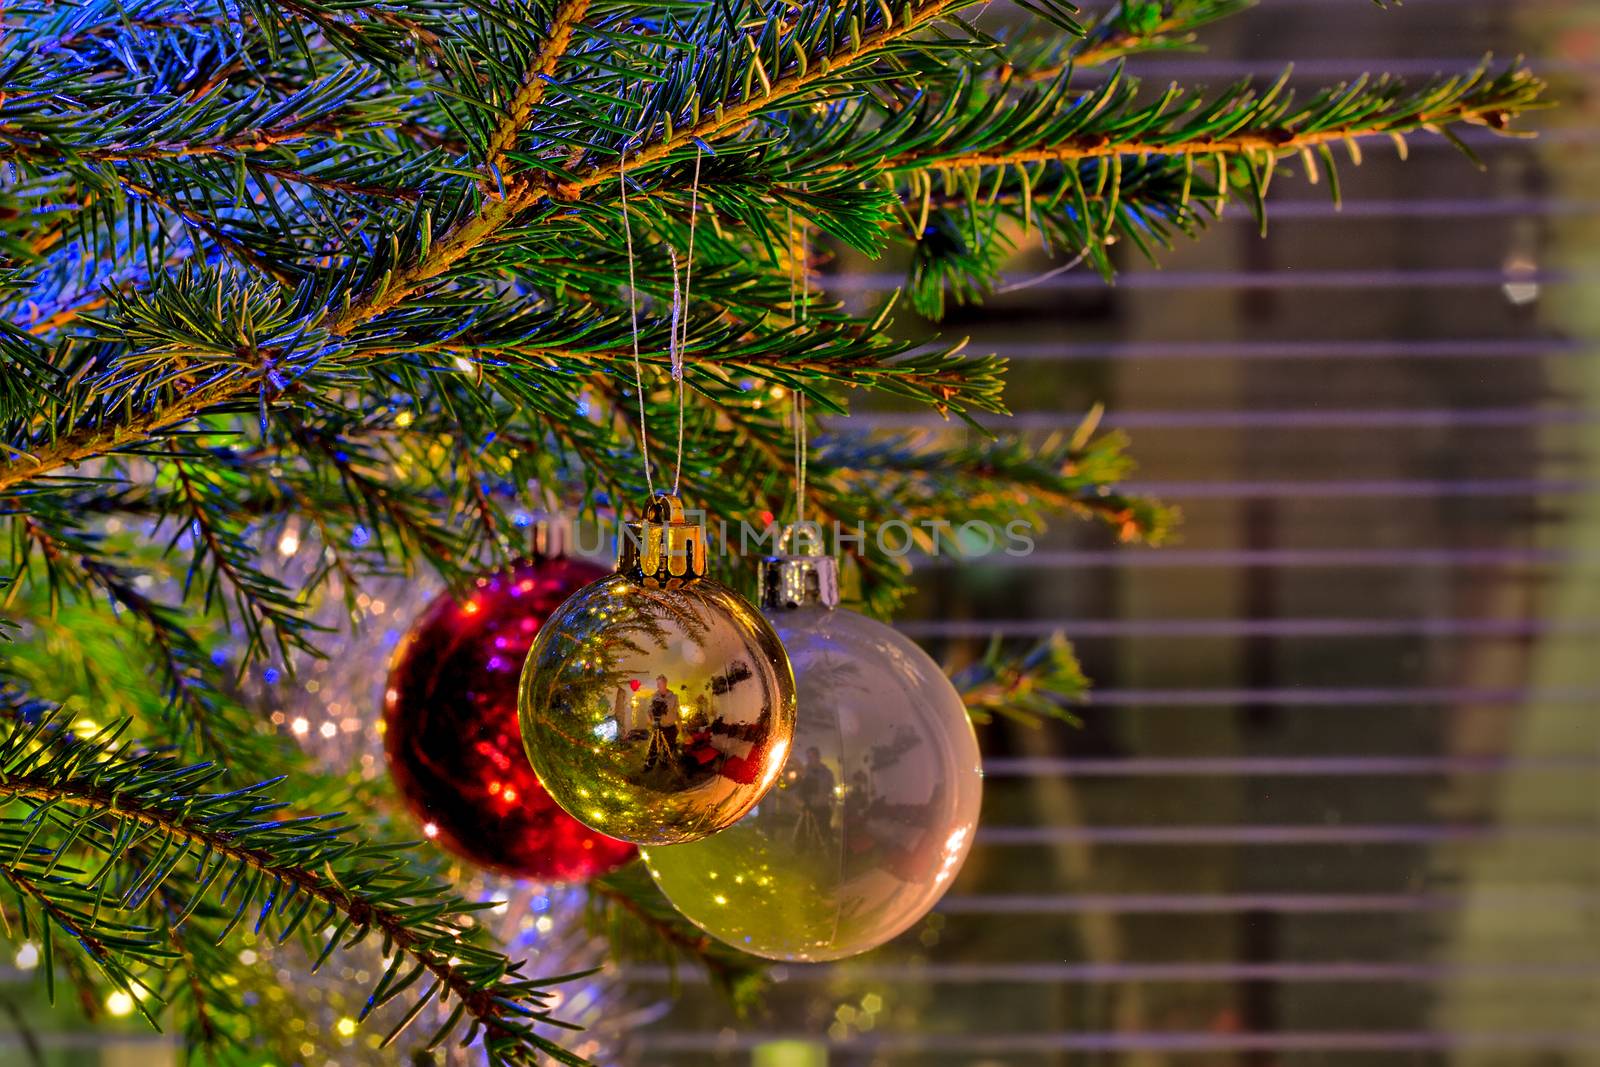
(657, 715)
(871, 818)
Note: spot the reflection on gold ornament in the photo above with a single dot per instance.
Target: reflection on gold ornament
(657, 705)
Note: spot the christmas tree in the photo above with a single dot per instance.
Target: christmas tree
(303, 294)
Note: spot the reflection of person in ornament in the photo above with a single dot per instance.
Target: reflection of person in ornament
(857, 811)
(815, 788)
(663, 725)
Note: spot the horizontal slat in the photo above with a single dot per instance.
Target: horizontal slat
(1342, 696)
(1284, 766)
(1147, 973)
(1335, 68)
(1296, 836)
(1255, 419)
(1424, 488)
(1276, 903)
(1322, 209)
(1454, 10)
(1473, 348)
(1298, 280)
(933, 1043)
(1140, 558)
(1321, 629)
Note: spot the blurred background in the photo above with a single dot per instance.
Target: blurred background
(1335, 799)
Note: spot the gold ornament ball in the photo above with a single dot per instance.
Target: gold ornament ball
(657, 706)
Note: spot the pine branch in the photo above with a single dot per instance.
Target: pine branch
(719, 354)
(371, 497)
(64, 905)
(198, 972)
(964, 242)
(25, 371)
(195, 716)
(238, 358)
(198, 220)
(1026, 688)
(997, 480)
(1135, 26)
(115, 127)
(388, 34)
(223, 559)
(85, 444)
(1060, 123)
(558, 39)
(435, 257)
(384, 33)
(524, 192)
(94, 796)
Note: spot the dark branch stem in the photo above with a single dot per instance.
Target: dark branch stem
(203, 527)
(171, 906)
(93, 946)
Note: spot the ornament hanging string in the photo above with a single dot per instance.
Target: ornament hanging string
(678, 328)
(797, 315)
(680, 316)
(675, 357)
(633, 311)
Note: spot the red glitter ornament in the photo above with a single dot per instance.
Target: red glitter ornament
(451, 733)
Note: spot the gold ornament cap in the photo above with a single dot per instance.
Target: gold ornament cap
(664, 550)
(788, 583)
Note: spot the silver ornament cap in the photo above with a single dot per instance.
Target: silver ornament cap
(789, 583)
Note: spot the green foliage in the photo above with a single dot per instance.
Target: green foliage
(1029, 689)
(99, 830)
(1005, 157)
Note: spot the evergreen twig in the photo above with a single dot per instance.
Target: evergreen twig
(305, 873)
